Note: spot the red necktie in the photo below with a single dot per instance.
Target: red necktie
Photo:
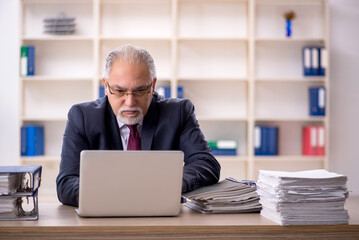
(134, 141)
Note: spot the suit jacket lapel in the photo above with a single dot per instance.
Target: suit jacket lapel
(115, 141)
(149, 125)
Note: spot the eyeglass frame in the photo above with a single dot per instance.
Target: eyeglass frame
(135, 93)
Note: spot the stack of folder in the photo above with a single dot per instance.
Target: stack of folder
(223, 147)
(19, 192)
(314, 197)
(60, 25)
(226, 196)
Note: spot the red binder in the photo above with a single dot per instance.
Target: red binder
(313, 142)
(309, 140)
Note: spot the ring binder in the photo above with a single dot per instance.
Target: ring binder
(19, 192)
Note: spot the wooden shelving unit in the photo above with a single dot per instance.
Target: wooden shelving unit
(231, 57)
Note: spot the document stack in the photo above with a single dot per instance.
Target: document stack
(18, 192)
(60, 25)
(227, 196)
(314, 197)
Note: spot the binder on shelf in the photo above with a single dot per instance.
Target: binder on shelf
(20, 180)
(165, 91)
(31, 61)
(223, 147)
(23, 61)
(313, 141)
(32, 140)
(180, 93)
(323, 61)
(27, 61)
(266, 140)
(314, 61)
(101, 91)
(321, 141)
(317, 101)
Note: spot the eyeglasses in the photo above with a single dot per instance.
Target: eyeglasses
(137, 93)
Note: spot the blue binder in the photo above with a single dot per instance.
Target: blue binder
(313, 60)
(31, 61)
(266, 141)
(32, 140)
(164, 91)
(101, 91)
(317, 101)
(180, 92)
(224, 152)
(307, 61)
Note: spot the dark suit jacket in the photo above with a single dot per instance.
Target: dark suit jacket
(170, 124)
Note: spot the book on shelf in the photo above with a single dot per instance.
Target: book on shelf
(101, 91)
(317, 101)
(314, 197)
(313, 141)
(27, 61)
(19, 192)
(226, 196)
(165, 91)
(314, 60)
(223, 147)
(266, 140)
(32, 140)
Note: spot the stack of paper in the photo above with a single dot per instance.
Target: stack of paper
(60, 25)
(9, 183)
(303, 198)
(227, 196)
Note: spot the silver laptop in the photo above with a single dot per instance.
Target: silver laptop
(130, 183)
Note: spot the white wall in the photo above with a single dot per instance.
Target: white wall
(9, 132)
(344, 91)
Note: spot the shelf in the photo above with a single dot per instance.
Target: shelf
(40, 159)
(289, 158)
(58, 38)
(43, 119)
(218, 119)
(56, 78)
(292, 80)
(242, 39)
(284, 39)
(213, 79)
(231, 57)
(212, 19)
(135, 19)
(134, 38)
(232, 158)
(290, 119)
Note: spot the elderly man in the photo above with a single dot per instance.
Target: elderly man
(132, 116)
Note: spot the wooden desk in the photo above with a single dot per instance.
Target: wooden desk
(61, 222)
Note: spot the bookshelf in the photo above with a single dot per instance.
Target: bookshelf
(231, 57)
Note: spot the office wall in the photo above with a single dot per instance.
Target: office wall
(9, 132)
(344, 91)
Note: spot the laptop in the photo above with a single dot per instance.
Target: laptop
(130, 183)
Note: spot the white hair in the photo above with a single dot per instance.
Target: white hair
(131, 54)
